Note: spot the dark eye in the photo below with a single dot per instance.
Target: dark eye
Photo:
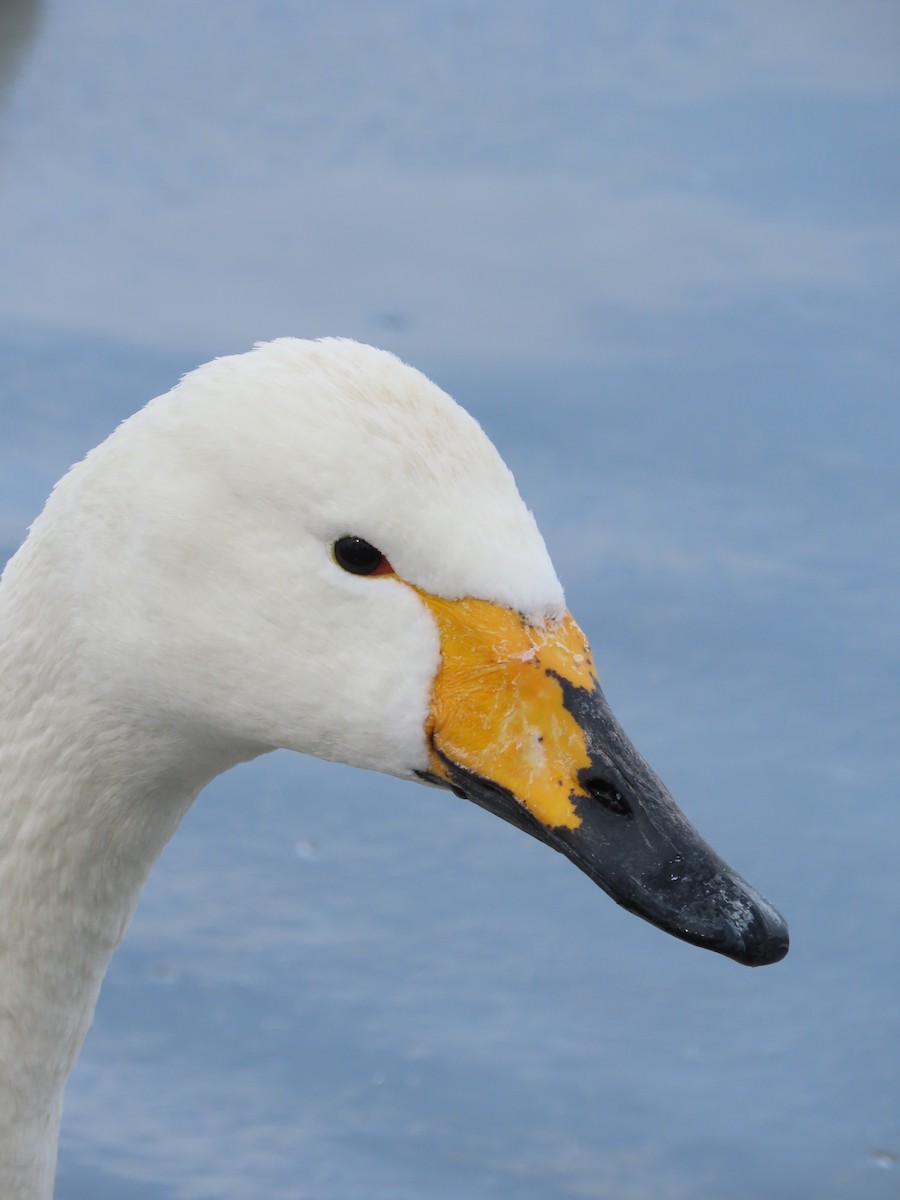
(360, 557)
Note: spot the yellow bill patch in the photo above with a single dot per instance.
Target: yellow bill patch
(497, 709)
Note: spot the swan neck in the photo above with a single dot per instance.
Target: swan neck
(89, 795)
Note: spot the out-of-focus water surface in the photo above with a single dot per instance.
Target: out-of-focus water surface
(654, 249)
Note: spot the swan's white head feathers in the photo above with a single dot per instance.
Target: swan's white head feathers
(196, 545)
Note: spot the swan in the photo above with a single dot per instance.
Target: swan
(307, 546)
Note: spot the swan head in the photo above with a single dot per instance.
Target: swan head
(311, 546)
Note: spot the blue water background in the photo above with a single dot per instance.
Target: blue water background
(654, 249)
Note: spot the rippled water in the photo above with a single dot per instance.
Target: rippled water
(655, 253)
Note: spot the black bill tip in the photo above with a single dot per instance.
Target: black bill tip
(764, 939)
(662, 870)
(739, 924)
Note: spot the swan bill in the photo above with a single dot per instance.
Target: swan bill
(520, 725)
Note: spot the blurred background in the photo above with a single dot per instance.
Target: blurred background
(654, 249)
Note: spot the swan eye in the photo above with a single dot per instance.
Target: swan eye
(360, 557)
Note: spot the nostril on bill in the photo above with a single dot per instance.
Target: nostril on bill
(607, 793)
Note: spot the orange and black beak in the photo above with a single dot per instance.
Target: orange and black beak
(520, 726)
